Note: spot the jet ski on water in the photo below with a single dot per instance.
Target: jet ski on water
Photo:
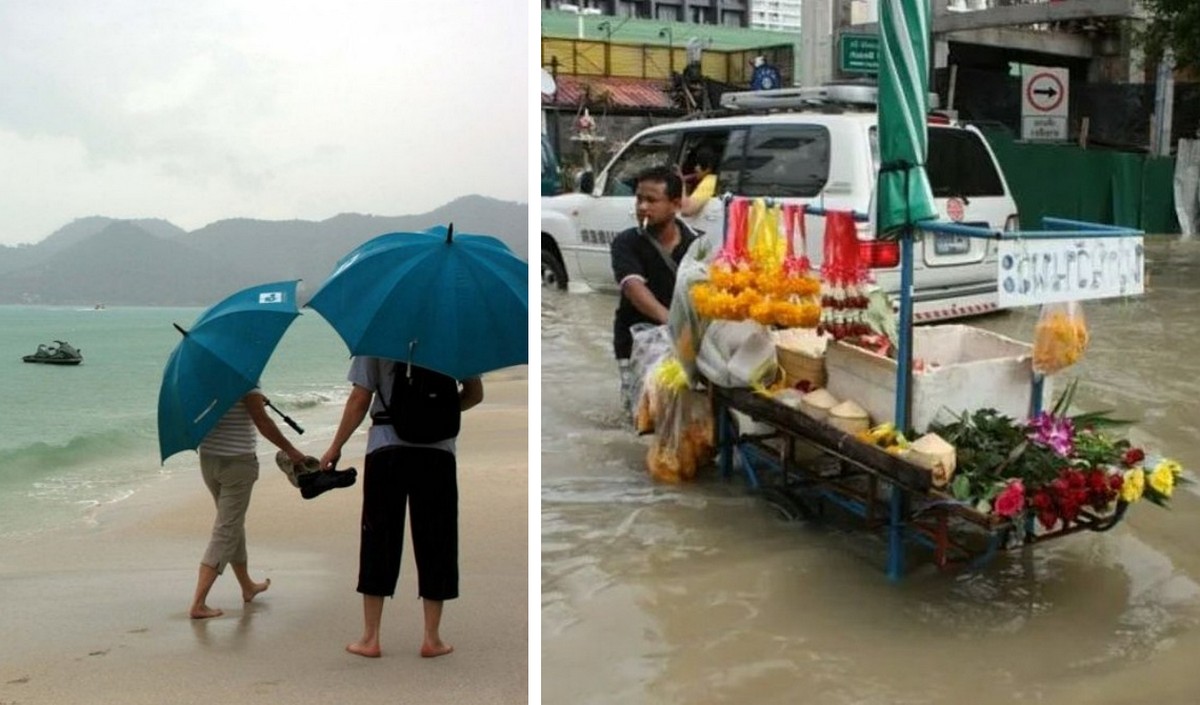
(58, 353)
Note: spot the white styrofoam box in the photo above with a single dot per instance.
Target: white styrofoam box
(966, 369)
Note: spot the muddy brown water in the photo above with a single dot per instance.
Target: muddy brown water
(699, 594)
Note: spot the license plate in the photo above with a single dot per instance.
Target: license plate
(951, 244)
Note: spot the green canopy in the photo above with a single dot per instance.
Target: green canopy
(904, 195)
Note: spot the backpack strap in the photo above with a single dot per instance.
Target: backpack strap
(386, 416)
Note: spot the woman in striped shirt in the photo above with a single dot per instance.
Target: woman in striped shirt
(229, 464)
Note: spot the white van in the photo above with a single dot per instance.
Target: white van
(822, 150)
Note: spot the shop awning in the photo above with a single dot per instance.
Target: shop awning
(628, 93)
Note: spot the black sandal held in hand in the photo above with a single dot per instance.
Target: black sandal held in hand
(316, 483)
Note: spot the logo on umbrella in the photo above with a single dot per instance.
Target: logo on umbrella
(270, 297)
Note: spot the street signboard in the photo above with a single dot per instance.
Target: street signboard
(859, 53)
(1033, 271)
(1044, 101)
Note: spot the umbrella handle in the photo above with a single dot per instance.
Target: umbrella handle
(295, 426)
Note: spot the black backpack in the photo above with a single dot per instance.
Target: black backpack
(424, 405)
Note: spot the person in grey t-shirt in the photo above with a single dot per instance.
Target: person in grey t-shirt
(399, 475)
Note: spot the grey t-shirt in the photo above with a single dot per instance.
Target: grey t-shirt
(376, 374)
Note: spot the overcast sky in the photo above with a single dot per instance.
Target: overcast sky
(199, 110)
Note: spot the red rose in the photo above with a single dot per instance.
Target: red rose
(1133, 456)
(1047, 519)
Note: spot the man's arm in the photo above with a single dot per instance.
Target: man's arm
(257, 407)
(357, 405)
(643, 300)
(471, 394)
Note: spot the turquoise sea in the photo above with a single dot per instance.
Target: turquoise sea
(73, 439)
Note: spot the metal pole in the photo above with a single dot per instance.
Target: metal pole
(904, 344)
(1164, 100)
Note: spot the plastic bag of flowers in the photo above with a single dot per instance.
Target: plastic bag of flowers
(683, 427)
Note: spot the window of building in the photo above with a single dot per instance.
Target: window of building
(670, 13)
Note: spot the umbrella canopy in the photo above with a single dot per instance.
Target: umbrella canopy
(457, 304)
(904, 194)
(219, 360)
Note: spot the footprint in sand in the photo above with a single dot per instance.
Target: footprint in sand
(22, 679)
(139, 630)
(98, 653)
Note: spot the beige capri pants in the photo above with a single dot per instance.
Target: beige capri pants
(230, 480)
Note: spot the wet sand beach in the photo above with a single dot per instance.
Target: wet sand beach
(98, 614)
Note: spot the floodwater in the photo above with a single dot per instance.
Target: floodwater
(698, 594)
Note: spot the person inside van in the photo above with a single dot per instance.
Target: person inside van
(644, 260)
(705, 165)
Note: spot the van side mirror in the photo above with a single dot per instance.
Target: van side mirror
(587, 182)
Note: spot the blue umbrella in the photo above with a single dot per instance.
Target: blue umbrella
(458, 304)
(219, 360)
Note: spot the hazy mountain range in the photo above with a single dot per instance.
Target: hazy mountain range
(155, 263)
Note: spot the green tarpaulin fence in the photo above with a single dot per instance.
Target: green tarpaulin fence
(1117, 188)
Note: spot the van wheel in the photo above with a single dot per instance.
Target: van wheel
(554, 274)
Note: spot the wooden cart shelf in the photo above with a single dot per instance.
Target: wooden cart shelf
(803, 465)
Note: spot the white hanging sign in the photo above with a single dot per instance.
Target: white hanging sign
(1037, 271)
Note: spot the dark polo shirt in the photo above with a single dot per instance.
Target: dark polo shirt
(634, 253)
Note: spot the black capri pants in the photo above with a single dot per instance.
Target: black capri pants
(425, 480)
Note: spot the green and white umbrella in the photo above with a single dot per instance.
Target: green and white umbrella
(904, 196)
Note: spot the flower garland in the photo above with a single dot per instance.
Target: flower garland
(759, 278)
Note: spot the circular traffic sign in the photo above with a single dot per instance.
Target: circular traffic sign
(1045, 92)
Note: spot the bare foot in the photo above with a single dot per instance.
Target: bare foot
(205, 612)
(258, 587)
(361, 649)
(433, 650)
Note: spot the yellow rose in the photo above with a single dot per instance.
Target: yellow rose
(1162, 479)
(1134, 485)
(1169, 465)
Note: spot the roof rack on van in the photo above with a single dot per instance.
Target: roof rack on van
(849, 95)
(801, 97)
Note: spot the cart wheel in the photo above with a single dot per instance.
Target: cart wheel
(785, 506)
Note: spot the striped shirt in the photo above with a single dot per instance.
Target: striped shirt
(234, 433)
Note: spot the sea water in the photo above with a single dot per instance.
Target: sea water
(73, 439)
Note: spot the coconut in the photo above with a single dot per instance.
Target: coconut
(849, 417)
(817, 403)
(933, 452)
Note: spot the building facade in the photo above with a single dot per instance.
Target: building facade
(776, 15)
(731, 13)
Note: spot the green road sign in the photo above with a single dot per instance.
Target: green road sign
(859, 53)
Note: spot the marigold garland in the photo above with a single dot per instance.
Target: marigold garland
(761, 280)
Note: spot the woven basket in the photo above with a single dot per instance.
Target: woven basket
(799, 367)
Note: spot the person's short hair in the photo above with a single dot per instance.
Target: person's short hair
(665, 175)
(705, 158)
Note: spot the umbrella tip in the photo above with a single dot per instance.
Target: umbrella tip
(449, 233)
(178, 328)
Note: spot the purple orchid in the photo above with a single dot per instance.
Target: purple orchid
(1057, 434)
